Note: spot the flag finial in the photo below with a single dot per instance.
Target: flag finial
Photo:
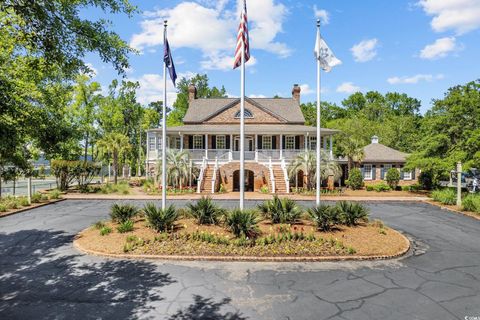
(165, 22)
(318, 22)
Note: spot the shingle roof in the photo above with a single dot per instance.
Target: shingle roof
(249, 129)
(377, 152)
(287, 110)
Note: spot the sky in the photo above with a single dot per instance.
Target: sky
(417, 47)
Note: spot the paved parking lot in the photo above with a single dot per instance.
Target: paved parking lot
(44, 277)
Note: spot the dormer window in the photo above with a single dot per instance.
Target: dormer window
(247, 114)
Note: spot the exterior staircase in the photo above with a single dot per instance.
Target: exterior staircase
(207, 179)
(280, 185)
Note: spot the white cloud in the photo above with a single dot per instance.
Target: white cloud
(321, 14)
(211, 28)
(151, 88)
(306, 89)
(439, 49)
(365, 50)
(461, 16)
(223, 61)
(257, 96)
(348, 87)
(93, 71)
(415, 79)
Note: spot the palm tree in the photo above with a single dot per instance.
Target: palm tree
(352, 149)
(115, 144)
(178, 168)
(307, 162)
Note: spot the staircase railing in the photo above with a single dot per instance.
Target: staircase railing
(285, 175)
(214, 177)
(272, 176)
(201, 175)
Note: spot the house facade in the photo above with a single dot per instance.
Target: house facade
(379, 159)
(275, 133)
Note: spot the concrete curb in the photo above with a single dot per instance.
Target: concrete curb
(463, 213)
(246, 258)
(35, 206)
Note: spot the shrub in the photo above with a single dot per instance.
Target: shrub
(99, 225)
(123, 212)
(125, 226)
(445, 196)
(242, 223)
(3, 207)
(222, 188)
(264, 189)
(11, 204)
(54, 194)
(324, 216)
(158, 219)
(352, 213)
(23, 201)
(36, 197)
(280, 210)
(369, 187)
(205, 211)
(105, 230)
(393, 178)
(355, 179)
(471, 203)
(381, 187)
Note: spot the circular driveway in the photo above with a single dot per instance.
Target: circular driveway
(43, 277)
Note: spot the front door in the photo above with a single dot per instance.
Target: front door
(248, 144)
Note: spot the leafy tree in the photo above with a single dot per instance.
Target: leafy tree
(393, 178)
(355, 179)
(450, 133)
(180, 107)
(114, 145)
(351, 148)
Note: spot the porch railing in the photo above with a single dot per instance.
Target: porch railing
(285, 175)
(201, 175)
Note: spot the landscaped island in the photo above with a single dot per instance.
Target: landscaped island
(278, 229)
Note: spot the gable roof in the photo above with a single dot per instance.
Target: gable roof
(286, 110)
(377, 152)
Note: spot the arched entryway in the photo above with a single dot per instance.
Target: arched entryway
(249, 181)
(299, 180)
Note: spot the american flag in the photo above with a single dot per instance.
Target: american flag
(242, 38)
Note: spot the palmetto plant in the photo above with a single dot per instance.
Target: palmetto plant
(116, 145)
(324, 216)
(352, 149)
(205, 211)
(307, 163)
(158, 219)
(123, 212)
(179, 168)
(352, 213)
(281, 210)
(242, 223)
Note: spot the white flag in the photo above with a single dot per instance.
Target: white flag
(325, 55)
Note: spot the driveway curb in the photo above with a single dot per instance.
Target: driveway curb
(6, 214)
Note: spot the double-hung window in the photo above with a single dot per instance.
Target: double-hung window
(174, 143)
(151, 143)
(367, 169)
(197, 142)
(267, 143)
(407, 175)
(221, 142)
(386, 167)
(312, 143)
(290, 142)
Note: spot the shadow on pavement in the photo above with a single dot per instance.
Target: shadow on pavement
(37, 281)
(206, 309)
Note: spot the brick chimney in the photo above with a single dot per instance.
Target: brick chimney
(192, 92)
(296, 92)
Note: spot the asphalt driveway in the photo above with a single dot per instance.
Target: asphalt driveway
(43, 277)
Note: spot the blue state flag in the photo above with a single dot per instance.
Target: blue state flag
(167, 58)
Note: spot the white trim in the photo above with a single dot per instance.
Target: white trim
(224, 142)
(269, 143)
(286, 142)
(370, 172)
(194, 143)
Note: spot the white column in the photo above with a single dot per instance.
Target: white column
(305, 142)
(29, 189)
(181, 142)
(331, 147)
(325, 143)
(319, 179)
(281, 146)
(206, 146)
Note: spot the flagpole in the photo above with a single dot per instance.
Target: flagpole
(242, 129)
(164, 127)
(319, 178)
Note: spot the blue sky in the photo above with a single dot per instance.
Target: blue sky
(419, 47)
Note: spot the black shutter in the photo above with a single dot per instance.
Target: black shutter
(190, 142)
(402, 175)
(382, 172)
(214, 142)
(227, 142)
(413, 174)
(374, 172)
(259, 142)
(283, 142)
(274, 142)
(203, 142)
(297, 142)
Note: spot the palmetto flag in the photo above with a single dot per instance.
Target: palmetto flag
(325, 55)
(242, 38)
(167, 58)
